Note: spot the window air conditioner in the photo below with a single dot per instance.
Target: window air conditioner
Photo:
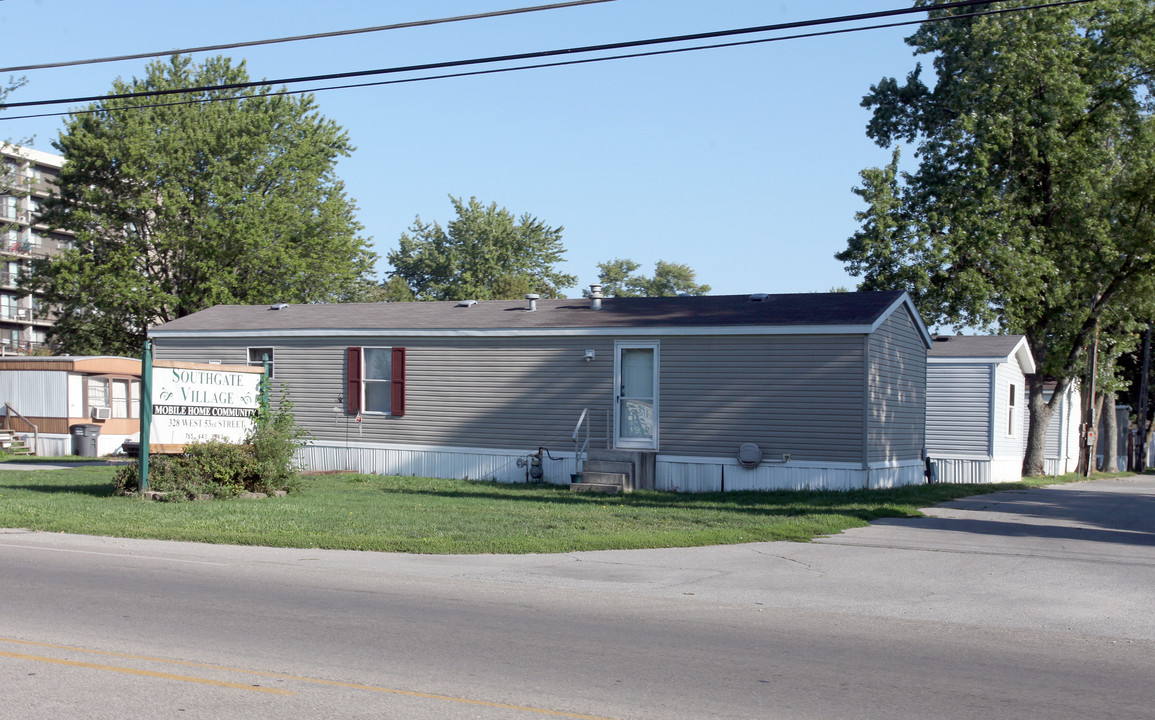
(101, 413)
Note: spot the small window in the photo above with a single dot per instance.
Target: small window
(120, 398)
(375, 380)
(257, 358)
(97, 393)
(377, 374)
(1011, 399)
(134, 399)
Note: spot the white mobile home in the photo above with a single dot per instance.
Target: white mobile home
(823, 390)
(1062, 449)
(976, 408)
(41, 398)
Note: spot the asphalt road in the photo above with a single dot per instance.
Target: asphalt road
(1026, 604)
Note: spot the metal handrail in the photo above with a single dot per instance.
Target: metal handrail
(8, 412)
(579, 453)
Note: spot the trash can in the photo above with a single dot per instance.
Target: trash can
(84, 440)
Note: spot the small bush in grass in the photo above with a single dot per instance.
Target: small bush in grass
(264, 463)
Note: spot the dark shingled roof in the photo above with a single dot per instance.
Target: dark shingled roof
(973, 346)
(802, 309)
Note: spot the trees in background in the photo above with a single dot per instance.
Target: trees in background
(618, 279)
(196, 199)
(1030, 207)
(485, 253)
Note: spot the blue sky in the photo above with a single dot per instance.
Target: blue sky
(738, 162)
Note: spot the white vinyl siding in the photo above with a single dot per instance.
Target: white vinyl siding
(35, 393)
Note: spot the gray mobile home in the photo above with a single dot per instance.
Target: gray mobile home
(824, 390)
(976, 408)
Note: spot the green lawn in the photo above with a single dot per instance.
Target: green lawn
(420, 515)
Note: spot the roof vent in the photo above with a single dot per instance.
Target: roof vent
(532, 297)
(749, 455)
(467, 303)
(595, 297)
(278, 306)
(941, 338)
(759, 297)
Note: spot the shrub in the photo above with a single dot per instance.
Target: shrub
(265, 463)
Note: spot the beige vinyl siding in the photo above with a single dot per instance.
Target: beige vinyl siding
(896, 411)
(958, 412)
(788, 394)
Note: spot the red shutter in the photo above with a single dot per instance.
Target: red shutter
(397, 384)
(353, 380)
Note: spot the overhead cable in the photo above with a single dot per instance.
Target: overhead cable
(491, 71)
(296, 38)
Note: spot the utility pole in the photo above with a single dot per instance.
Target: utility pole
(1087, 453)
(1142, 464)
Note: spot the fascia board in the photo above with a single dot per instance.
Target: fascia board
(528, 332)
(902, 300)
(966, 360)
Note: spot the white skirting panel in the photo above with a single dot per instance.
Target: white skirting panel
(1055, 466)
(910, 472)
(56, 445)
(678, 475)
(681, 476)
(53, 445)
(1007, 469)
(958, 471)
(451, 463)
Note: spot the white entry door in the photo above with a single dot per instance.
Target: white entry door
(636, 395)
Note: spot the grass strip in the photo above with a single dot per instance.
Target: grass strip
(422, 515)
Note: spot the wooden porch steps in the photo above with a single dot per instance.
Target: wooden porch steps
(13, 445)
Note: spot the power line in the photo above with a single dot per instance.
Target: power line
(295, 38)
(461, 63)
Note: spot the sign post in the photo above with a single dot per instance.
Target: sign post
(145, 414)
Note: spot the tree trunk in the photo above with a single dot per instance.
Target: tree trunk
(1040, 417)
(1110, 435)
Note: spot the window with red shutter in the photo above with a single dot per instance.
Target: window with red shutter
(353, 380)
(379, 378)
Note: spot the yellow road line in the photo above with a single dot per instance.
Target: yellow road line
(146, 673)
(297, 678)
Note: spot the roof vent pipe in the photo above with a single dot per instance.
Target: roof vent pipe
(595, 297)
(532, 297)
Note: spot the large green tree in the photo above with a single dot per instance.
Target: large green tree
(619, 279)
(185, 201)
(1030, 208)
(485, 253)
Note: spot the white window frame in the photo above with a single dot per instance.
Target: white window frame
(1012, 411)
(387, 381)
(257, 362)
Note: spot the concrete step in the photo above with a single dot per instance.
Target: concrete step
(621, 467)
(598, 482)
(595, 487)
(604, 478)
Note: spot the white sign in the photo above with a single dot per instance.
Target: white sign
(195, 402)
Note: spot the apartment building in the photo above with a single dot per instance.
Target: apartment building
(27, 177)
